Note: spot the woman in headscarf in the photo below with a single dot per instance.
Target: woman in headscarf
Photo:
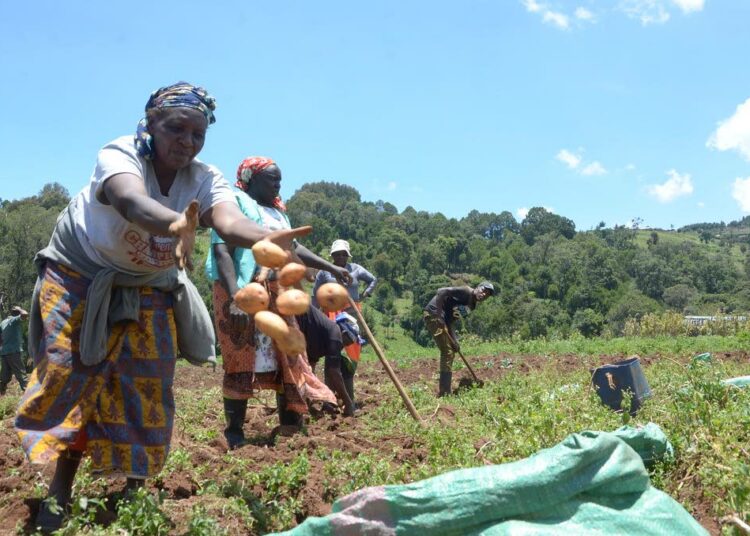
(113, 306)
(251, 360)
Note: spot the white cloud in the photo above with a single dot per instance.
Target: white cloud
(700, 204)
(676, 186)
(733, 133)
(391, 186)
(741, 193)
(555, 18)
(575, 162)
(630, 167)
(532, 6)
(558, 19)
(568, 158)
(594, 168)
(688, 6)
(646, 11)
(657, 11)
(581, 13)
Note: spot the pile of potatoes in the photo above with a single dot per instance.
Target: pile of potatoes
(254, 300)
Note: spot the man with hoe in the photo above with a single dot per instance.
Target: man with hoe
(11, 349)
(440, 314)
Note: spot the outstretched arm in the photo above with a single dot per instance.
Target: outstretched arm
(314, 261)
(127, 194)
(238, 230)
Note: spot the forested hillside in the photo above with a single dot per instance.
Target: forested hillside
(552, 279)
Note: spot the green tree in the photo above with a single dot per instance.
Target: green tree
(540, 221)
(679, 295)
(25, 228)
(588, 322)
(633, 304)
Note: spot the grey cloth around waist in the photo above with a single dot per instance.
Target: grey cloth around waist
(113, 297)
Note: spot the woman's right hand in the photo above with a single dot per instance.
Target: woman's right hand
(183, 229)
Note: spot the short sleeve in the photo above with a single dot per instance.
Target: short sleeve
(113, 159)
(214, 190)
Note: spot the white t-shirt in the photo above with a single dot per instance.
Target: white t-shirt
(112, 241)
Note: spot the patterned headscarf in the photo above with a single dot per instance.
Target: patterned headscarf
(249, 167)
(180, 94)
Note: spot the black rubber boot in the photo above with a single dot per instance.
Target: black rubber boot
(286, 417)
(234, 412)
(445, 383)
(50, 519)
(132, 485)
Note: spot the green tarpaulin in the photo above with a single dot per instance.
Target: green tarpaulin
(741, 381)
(590, 483)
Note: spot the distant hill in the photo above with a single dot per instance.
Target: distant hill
(552, 279)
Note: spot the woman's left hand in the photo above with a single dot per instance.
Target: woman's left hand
(183, 229)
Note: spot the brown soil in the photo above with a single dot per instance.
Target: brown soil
(19, 499)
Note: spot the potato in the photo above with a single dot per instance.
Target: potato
(272, 325)
(294, 343)
(293, 302)
(332, 297)
(252, 298)
(268, 254)
(291, 273)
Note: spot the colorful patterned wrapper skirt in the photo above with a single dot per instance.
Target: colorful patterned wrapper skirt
(294, 379)
(120, 411)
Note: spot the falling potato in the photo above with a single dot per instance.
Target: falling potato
(272, 325)
(332, 297)
(252, 298)
(291, 273)
(268, 254)
(293, 302)
(293, 343)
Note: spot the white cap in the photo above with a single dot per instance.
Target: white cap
(340, 245)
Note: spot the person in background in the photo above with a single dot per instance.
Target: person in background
(11, 362)
(113, 305)
(341, 254)
(323, 338)
(251, 361)
(439, 316)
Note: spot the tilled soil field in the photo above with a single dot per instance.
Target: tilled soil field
(21, 484)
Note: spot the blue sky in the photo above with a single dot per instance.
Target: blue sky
(599, 111)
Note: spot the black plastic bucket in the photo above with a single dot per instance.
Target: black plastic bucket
(610, 381)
